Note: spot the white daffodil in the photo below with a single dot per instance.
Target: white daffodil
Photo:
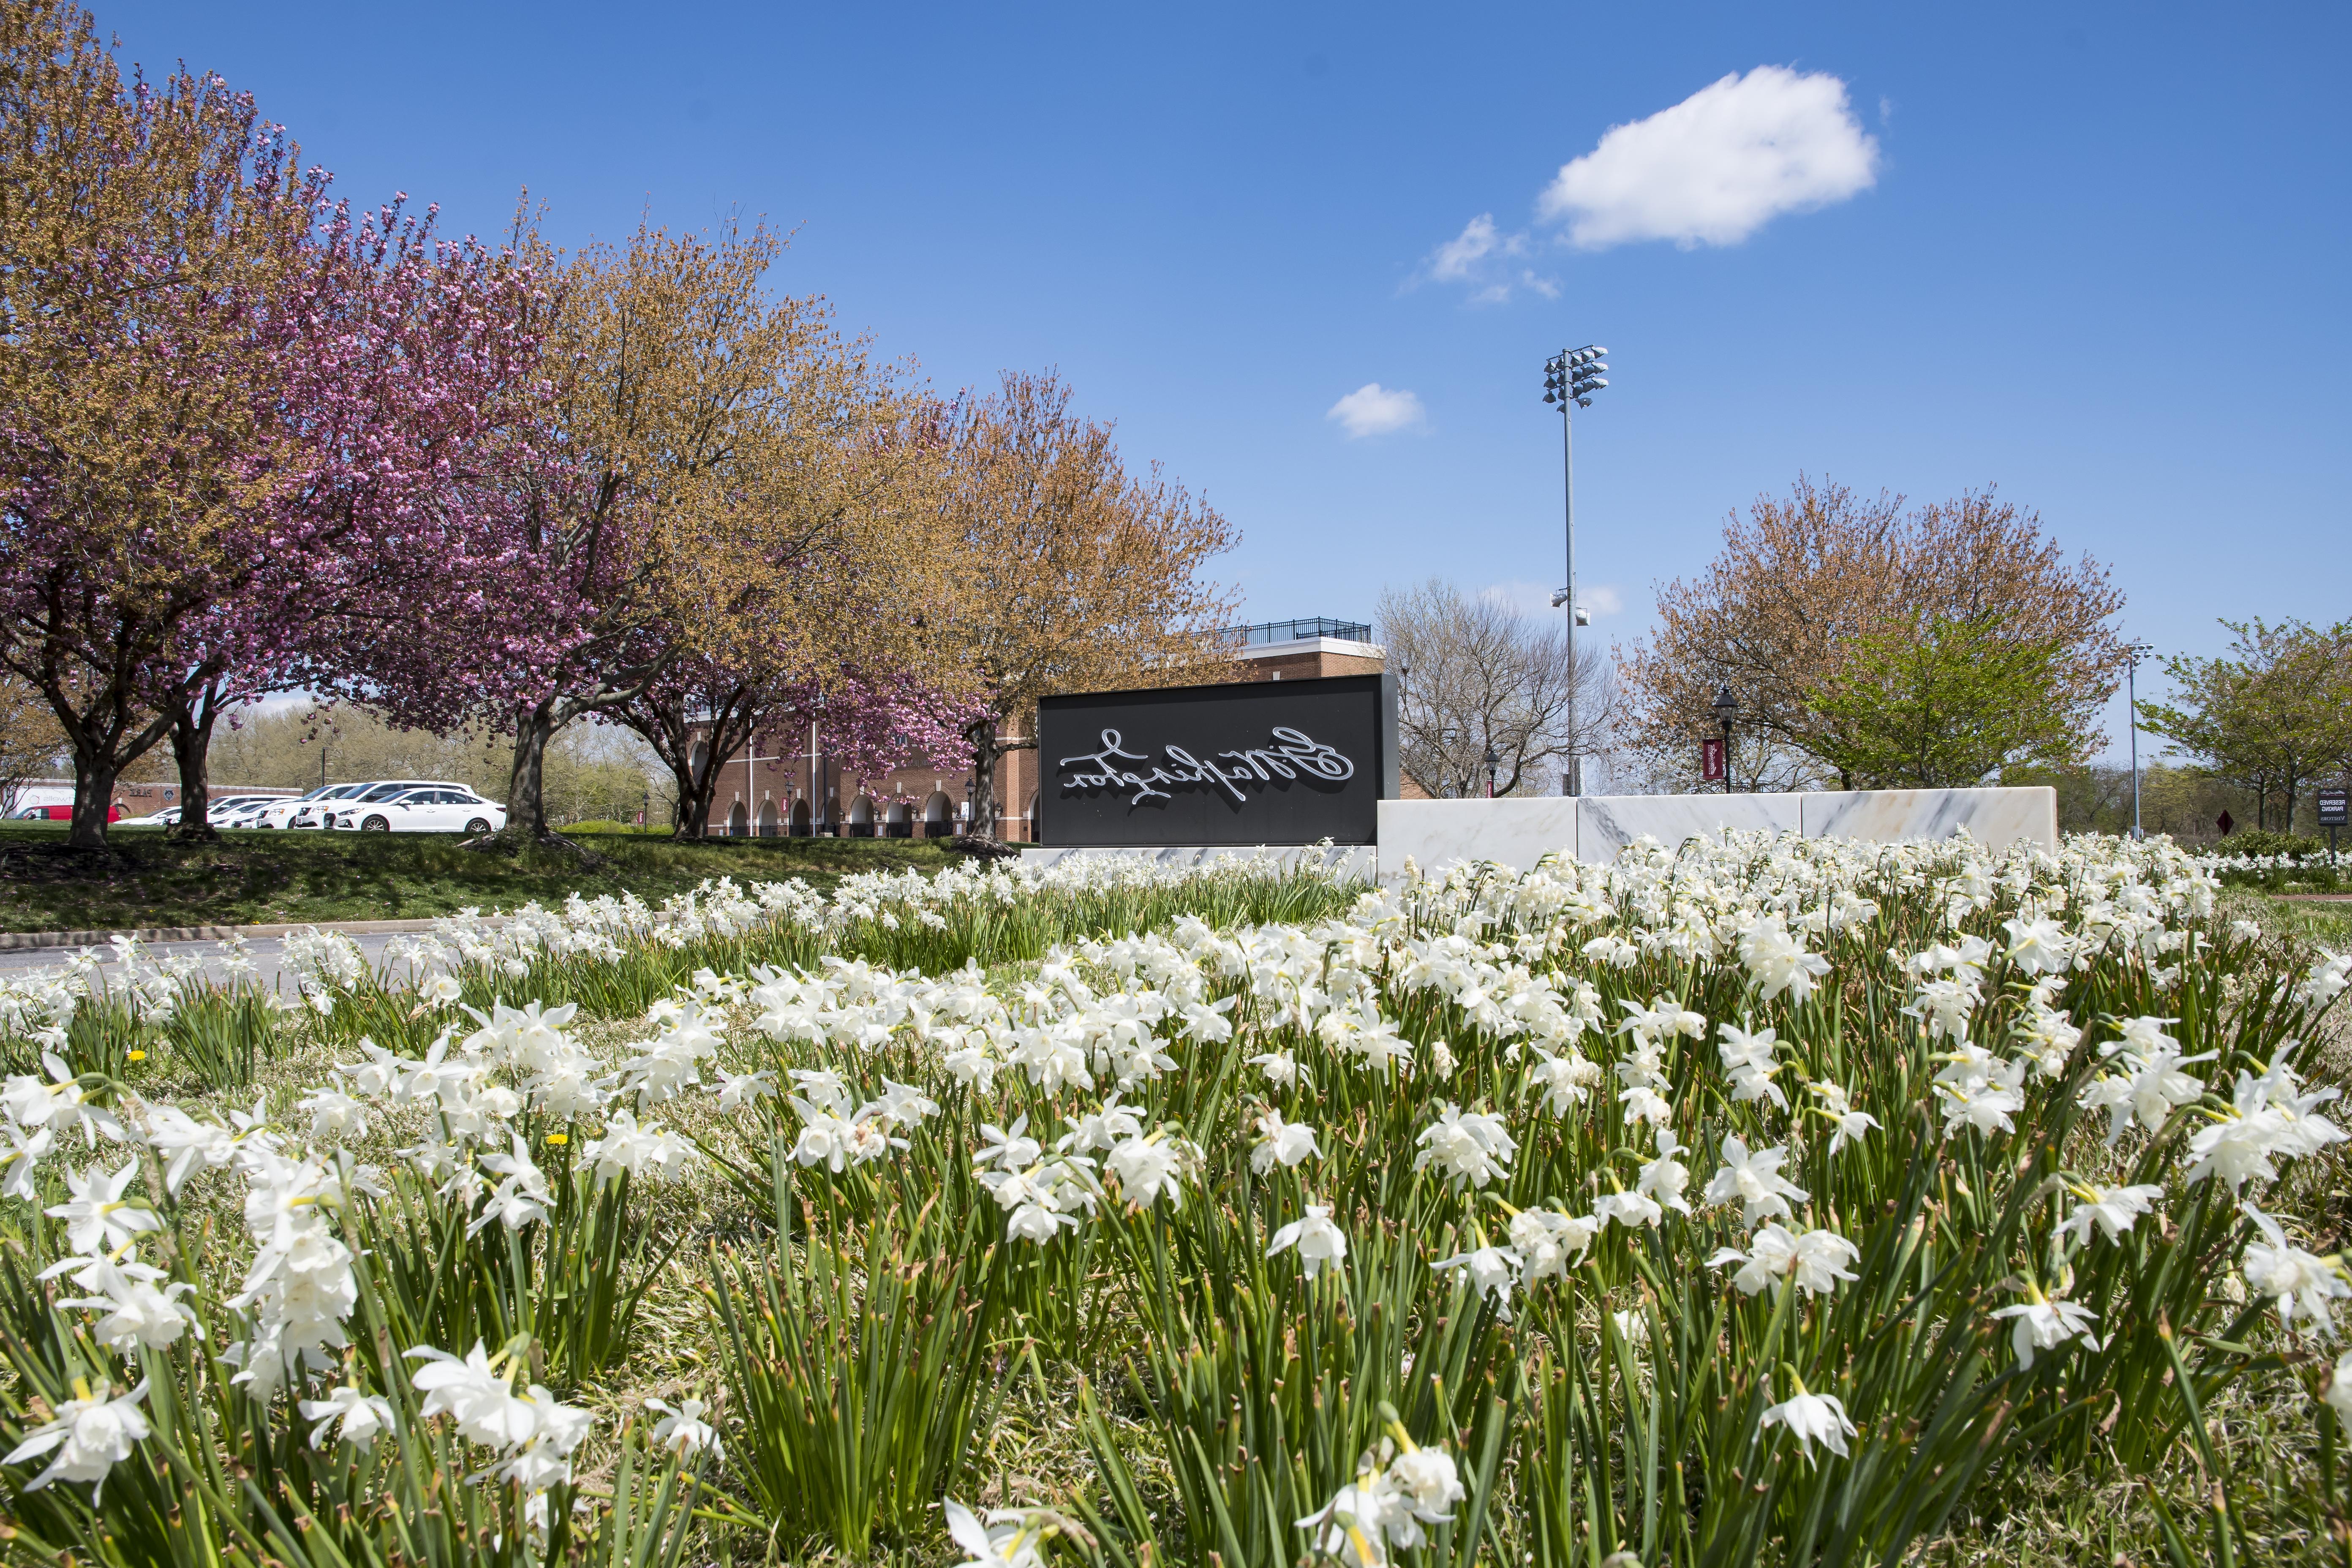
(1813, 1418)
(683, 1430)
(1320, 1241)
(1492, 1272)
(475, 1395)
(2042, 1323)
(1664, 1177)
(363, 1417)
(2298, 1283)
(1563, 1082)
(1148, 1167)
(137, 1312)
(97, 1218)
(2113, 1209)
(1754, 1181)
(90, 1434)
(1548, 1241)
(1281, 1069)
(1815, 1259)
(2339, 1390)
(1011, 1538)
(1629, 1209)
(1284, 1143)
(1838, 1106)
(1469, 1146)
(737, 1090)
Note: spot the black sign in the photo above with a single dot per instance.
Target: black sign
(1263, 761)
(2333, 809)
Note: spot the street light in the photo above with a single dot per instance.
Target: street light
(1727, 707)
(1493, 763)
(1570, 378)
(2134, 652)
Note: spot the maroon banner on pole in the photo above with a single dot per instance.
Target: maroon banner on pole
(1710, 760)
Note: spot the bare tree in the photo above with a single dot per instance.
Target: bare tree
(1477, 676)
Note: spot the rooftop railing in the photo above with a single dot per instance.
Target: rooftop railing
(1294, 631)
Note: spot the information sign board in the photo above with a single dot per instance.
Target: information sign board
(1271, 761)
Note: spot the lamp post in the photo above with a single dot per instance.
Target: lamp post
(1727, 707)
(1493, 761)
(2134, 652)
(1570, 378)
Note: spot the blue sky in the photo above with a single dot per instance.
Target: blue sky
(2096, 255)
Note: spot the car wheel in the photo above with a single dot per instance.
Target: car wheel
(376, 825)
(476, 827)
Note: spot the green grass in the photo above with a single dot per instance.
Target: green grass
(260, 877)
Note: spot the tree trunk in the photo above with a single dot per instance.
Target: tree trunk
(694, 794)
(986, 753)
(93, 798)
(192, 743)
(526, 784)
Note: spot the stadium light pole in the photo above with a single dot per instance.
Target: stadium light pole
(1570, 378)
(2134, 652)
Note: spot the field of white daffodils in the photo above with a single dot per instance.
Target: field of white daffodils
(1777, 1202)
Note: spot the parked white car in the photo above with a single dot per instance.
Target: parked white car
(438, 808)
(235, 810)
(303, 811)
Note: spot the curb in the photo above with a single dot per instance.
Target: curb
(21, 941)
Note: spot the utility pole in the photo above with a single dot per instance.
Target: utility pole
(1570, 378)
(2137, 651)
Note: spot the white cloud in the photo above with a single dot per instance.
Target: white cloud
(1603, 599)
(1486, 261)
(1717, 166)
(1376, 410)
(1457, 261)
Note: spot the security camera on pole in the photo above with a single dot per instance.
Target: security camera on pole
(1570, 378)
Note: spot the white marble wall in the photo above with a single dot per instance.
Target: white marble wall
(1606, 822)
(1998, 817)
(1436, 834)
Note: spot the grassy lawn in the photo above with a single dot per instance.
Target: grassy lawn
(261, 878)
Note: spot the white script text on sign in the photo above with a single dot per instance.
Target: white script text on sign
(1293, 755)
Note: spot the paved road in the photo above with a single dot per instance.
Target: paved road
(267, 953)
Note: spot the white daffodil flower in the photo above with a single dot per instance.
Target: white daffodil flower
(1319, 1240)
(2042, 1323)
(1284, 1143)
(1813, 1418)
(2113, 1209)
(2298, 1283)
(683, 1430)
(97, 1218)
(362, 1417)
(90, 1434)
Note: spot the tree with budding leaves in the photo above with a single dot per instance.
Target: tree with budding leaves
(1074, 574)
(1845, 625)
(225, 407)
(713, 478)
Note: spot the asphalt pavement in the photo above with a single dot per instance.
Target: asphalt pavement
(268, 954)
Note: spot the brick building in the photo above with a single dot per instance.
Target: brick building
(785, 783)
